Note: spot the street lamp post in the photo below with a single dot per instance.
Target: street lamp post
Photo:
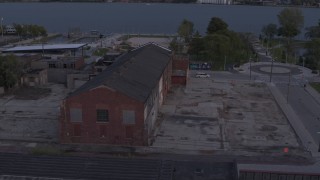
(42, 49)
(250, 67)
(225, 62)
(271, 69)
(288, 87)
(1, 28)
(319, 142)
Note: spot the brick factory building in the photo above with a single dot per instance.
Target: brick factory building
(120, 105)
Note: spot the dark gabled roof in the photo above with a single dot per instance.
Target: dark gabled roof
(134, 74)
(42, 47)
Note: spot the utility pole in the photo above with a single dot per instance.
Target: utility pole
(271, 69)
(1, 28)
(42, 49)
(225, 62)
(319, 142)
(286, 56)
(288, 87)
(250, 67)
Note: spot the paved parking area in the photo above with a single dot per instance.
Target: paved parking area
(223, 115)
(30, 118)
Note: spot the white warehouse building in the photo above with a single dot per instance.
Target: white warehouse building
(215, 1)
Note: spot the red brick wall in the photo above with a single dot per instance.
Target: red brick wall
(180, 63)
(167, 79)
(179, 80)
(113, 132)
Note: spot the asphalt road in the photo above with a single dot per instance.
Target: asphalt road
(305, 107)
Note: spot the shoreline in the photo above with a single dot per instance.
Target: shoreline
(110, 1)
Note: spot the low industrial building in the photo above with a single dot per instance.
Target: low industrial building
(120, 105)
(35, 77)
(59, 60)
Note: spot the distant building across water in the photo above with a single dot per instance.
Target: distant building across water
(215, 1)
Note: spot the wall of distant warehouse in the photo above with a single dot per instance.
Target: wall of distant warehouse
(57, 76)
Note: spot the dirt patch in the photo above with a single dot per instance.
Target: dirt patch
(31, 93)
(268, 128)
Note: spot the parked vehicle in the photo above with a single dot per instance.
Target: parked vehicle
(202, 75)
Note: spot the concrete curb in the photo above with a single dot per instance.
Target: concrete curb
(313, 93)
(308, 142)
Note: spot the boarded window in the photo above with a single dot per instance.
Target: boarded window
(129, 132)
(77, 130)
(102, 115)
(128, 117)
(75, 115)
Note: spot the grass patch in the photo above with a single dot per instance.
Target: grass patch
(100, 52)
(316, 86)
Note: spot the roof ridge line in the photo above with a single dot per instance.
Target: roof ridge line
(153, 44)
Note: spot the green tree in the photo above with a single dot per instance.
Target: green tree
(34, 31)
(19, 29)
(185, 30)
(313, 31)
(30, 30)
(291, 21)
(42, 31)
(197, 47)
(219, 45)
(215, 25)
(217, 48)
(269, 30)
(174, 45)
(10, 71)
(313, 53)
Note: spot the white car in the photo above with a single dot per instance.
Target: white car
(202, 75)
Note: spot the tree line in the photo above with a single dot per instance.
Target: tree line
(10, 71)
(291, 21)
(30, 30)
(219, 46)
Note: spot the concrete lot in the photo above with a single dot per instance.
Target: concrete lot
(212, 114)
(25, 117)
(206, 116)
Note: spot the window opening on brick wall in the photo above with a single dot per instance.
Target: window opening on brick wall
(128, 117)
(75, 115)
(102, 115)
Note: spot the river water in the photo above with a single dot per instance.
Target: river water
(142, 18)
